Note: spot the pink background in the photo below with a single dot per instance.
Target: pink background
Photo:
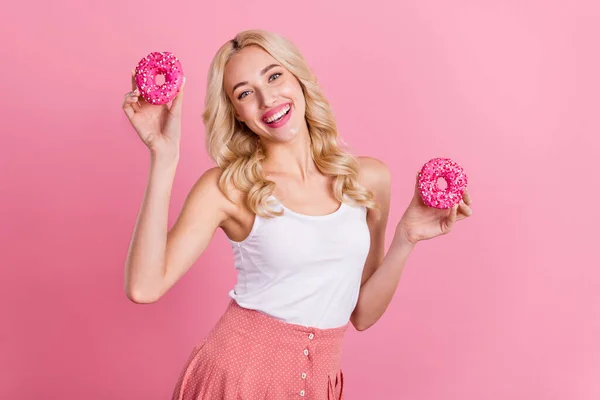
(506, 307)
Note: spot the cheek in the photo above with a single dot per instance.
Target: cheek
(297, 91)
(294, 91)
(245, 111)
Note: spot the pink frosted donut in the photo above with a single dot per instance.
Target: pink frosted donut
(159, 63)
(452, 173)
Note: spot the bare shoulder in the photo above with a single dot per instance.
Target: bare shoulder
(374, 174)
(208, 183)
(207, 190)
(229, 211)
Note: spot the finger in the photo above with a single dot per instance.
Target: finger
(135, 93)
(135, 96)
(465, 209)
(131, 101)
(135, 89)
(178, 100)
(140, 99)
(134, 100)
(129, 109)
(467, 198)
(451, 219)
(417, 193)
(133, 82)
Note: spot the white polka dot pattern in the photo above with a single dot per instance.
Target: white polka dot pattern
(252, 356)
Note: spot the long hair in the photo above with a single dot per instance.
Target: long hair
(237, 150)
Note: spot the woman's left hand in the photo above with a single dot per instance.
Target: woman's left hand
(421, 222)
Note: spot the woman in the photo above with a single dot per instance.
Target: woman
(305, 219)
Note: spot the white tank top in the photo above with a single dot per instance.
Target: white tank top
(303, 269)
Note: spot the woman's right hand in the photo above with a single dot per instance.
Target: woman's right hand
(159, 126)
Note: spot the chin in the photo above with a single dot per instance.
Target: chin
(287, 135)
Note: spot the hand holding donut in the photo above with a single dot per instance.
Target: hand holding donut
(431, 212)
(158, 125)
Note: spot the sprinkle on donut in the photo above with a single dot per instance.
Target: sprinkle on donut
(159, 63)
(452, 173)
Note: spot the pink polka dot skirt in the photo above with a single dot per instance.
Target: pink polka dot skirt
(250, 356)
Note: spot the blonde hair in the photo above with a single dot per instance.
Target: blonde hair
(237, 150)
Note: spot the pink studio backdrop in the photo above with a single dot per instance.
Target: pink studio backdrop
(506, 307)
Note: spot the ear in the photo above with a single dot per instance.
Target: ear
(238, 117)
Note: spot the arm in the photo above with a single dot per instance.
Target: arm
(157, 258)
(377, 291)
(383, 270)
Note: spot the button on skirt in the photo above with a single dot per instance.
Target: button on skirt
(249, 355)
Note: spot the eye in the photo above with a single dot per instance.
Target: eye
(274, 76)
(243, 94)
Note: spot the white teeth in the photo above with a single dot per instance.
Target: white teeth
(278, 115)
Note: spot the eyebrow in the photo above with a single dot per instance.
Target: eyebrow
(264, 71)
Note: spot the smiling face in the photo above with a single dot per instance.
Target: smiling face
(266, 96)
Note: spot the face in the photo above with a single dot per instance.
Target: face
(266, 96)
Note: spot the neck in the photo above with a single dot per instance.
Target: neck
(291, 158)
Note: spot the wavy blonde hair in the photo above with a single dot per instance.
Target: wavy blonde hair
(235, 148)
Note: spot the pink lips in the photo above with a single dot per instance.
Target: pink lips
(274, 111)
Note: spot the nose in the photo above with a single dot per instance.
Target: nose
(267, 98)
